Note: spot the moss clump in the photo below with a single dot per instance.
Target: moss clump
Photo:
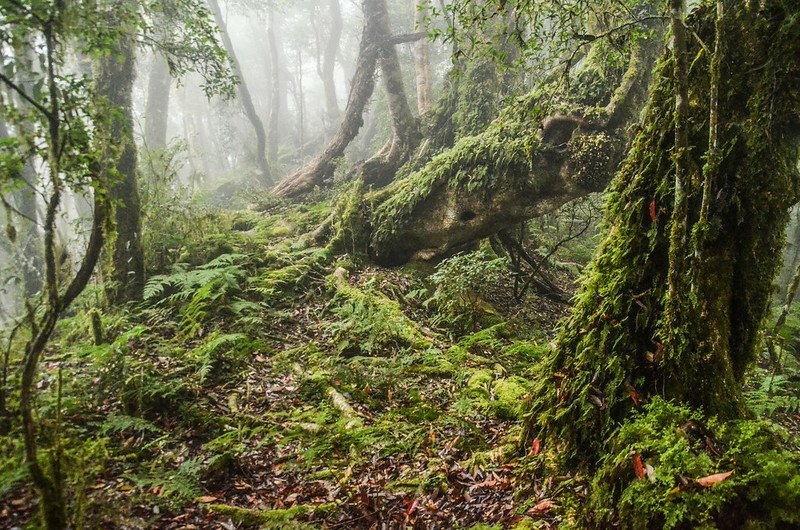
(677, 446)
(509, 397)
(476, 163)
(369, 322)
(478, 384)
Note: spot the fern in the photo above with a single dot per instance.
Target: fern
(119, 423)
(194, 292)
(209, 355)
(181, 484)
(774, 394)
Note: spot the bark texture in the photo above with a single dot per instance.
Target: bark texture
(612, 352)
(115, 73)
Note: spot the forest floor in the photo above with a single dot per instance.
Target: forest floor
(271, 384)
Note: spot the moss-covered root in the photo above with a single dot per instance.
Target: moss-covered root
(270, 519)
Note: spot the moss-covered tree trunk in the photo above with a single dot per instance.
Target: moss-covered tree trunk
(536, 156)
(620, 345)
(114, 74)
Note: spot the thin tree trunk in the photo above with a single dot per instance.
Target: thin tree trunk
(302, 100)
(422, 60)
(157, 109)
(30, 236)
(114, 74)
(329, 61)
(321, 167)
(276, 103)
(262, 166)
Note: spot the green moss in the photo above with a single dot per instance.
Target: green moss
(674, 442)
(478, 384)
(270, 519)
(620, 345)
(368, 321)
(475, 163)
(509, 397)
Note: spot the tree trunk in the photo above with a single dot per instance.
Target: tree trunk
(30, 236)
(262, 167)
(276, 102)
(363, 84)
(114, 75)
(382, 168)
(156, 112)
(422, 60)
(612, 352)
(329, 61)
(301, 103)
(515, 170)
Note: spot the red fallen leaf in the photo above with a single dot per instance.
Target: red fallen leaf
(484, 484)
(412, 507)
(710, 480)
(638, 467)
(653, 215)
(634, 395)
(542, 507)
(206, 499)
(536, 446)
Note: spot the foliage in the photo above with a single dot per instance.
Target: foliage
(774, 393)
(460, 285)
(178, 225)
(195, 293)
(369, 322)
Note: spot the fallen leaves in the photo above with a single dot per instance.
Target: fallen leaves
(206, 499)
(710, 480)
(638, 467)
(541, 507)
(653, 213)
(536, 447)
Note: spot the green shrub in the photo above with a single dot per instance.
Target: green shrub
(461, 285)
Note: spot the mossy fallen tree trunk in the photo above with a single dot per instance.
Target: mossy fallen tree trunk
(531, 160)
(630, 339)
